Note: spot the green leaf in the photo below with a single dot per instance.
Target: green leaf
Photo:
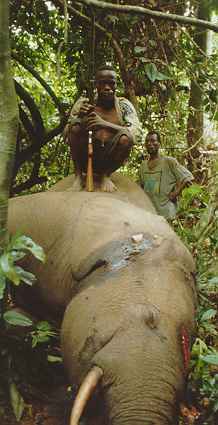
(213, 281)
(153, 74)
(17, 401)
(2, 285)
(139, 49)
(5, 263)
(199, 347)
(210, 358)
(17, 255)
(209, 314)
(8, 269)
(25, 276)
(15, 318)
(146, 84)
(193, 190)
(44, 326)
(26, 243)
(54, 359)
(42, 333)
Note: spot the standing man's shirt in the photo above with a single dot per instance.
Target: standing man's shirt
(162, 179)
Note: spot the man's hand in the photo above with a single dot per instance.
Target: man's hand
(85, 109)
(95, 122)
(173, 195)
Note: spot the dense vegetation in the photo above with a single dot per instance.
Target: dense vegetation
(168, 70)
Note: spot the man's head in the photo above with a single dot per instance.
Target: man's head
(152, 142)
(105, 81)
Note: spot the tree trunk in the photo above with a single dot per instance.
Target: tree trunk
(8, 118)
(195, 119)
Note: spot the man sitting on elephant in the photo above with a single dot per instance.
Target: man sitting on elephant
(114, 124)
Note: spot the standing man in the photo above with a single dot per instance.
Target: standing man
(162, 177)
(115, 127)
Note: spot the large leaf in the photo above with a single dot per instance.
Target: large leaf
(153, 74)
(25, 276)
(17, 319)
(17, 401)
(209, 314)
(7, 267)
(210, 358)
(25, 243)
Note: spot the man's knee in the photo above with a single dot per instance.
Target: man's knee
(126, 141)
(71, 134)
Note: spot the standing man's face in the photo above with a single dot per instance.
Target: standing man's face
(106, 86)
(152, 144)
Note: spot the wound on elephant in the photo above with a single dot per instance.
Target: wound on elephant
(185, 340)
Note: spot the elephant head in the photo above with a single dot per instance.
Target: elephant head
(124, 284)
(132, 310)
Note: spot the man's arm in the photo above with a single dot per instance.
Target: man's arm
(130, 118)
(95, 122)
(179, 188)
(183, 177)
(80, 109)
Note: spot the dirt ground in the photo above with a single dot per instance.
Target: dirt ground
(53, 410)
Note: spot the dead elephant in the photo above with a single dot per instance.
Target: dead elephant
(124, 282)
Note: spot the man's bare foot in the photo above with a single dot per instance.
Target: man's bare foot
(107, 185)
(77, 184)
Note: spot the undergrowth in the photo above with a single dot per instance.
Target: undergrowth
(197, 225)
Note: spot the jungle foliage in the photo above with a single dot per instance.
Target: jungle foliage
(162, 66)
(166, 70)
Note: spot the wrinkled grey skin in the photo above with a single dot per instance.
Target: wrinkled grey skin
(125, 302)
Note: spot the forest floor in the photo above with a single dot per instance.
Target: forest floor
(37, 389)
(48, 406)
(45, 404)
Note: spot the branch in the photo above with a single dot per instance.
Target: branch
(153, 13)
(31, 105)
(28, 184)
(27, 124)
(59, 3)
(33, 179)
(27, 154)
(40, 138)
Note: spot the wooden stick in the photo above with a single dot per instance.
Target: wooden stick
(89, 176)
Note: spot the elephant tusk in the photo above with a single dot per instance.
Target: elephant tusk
(87, 387)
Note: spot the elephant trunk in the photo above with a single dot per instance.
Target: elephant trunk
(142, 382)
(144, 406)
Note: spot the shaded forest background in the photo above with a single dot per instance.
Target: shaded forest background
(163, 68)
(169, 72)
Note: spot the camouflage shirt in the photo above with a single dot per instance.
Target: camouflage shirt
(162, 179)
(126, 113)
